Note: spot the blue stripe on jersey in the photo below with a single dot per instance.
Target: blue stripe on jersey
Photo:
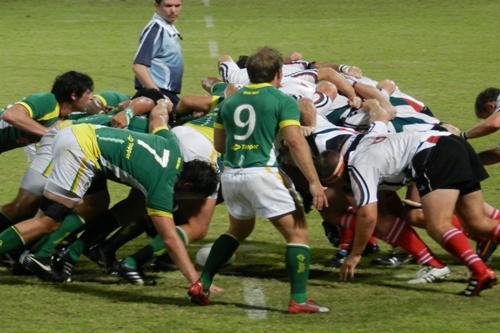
(321, 101)
(363, 190)
(147, 44)
(223, 70)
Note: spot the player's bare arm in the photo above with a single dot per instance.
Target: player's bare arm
(220, 140)
(366, 220)
(301, 154)
(487, 126)
(166, 229)
(18, 116)
(143, 74)
(159, 115)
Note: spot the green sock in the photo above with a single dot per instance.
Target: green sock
(298, 259)
(147, 252)
(130, 262)
(10, 239)
(76, 249)
(155, 248)
(71, 224)
(5, 221)
(222, 250)
(122, 236)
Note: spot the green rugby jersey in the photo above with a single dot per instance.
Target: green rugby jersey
(137, 123)
(251, 119)
(205, 124)
(111, 98)
(42, 107)
(147, 162)
(219, 88)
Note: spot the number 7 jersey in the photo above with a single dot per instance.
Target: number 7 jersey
(251, 119)
(149, 163)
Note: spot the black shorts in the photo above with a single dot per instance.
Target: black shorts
(451, 164)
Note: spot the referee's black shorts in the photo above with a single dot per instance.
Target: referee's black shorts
(451, 164)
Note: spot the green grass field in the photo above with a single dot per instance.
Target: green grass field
(442, 52)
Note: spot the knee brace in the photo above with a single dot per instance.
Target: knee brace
(54, 209)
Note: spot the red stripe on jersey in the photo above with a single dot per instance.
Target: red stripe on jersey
(416, 106)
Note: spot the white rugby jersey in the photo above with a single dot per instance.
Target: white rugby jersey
(406, 120)
(396, 98)
(385, 160)
(231, 73)
(330, 138)
(297, 88)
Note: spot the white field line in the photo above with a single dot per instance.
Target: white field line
(254, 297)
(209, 22)
(213, 49)
(206, 3)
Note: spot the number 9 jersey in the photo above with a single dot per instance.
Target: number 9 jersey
(251, 119)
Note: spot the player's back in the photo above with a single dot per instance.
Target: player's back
(251, 119)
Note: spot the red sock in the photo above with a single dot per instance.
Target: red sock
(496, 233)
(495, 214)
(402, 235)
(347, 223)
(455, 242)
(455, 221)
(372, 240)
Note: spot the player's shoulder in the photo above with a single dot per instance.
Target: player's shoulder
(40, 97)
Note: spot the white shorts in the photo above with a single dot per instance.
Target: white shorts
(73, 172)
(30, 151)
(43, 157)
(252, 192)
(196, 146)
(33, 182)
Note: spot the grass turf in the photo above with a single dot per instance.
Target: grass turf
(441, 52)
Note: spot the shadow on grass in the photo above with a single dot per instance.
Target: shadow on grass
(133, 296)
(417, 288)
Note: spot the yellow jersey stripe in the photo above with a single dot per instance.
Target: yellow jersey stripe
(286, 123)
(102, 100)
(258, 85)
(48, 170)
(86, 137)
(156, 212)
(214, 102)
(27, 107)
(53, 114)
(79, 174)
(218, 126)
(19, 235)
(159, 129)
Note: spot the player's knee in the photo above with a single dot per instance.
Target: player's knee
(54, 210)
